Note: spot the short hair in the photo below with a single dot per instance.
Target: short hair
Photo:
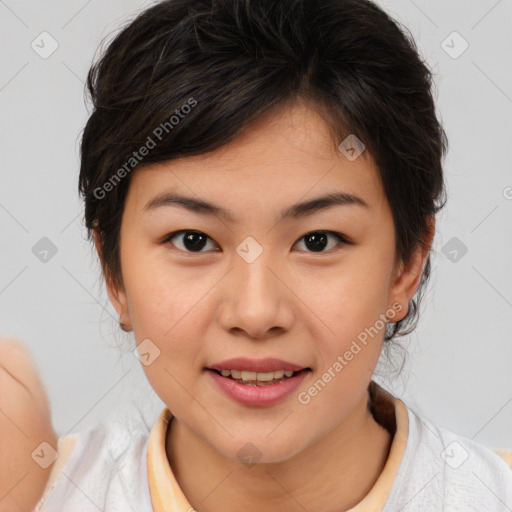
(197, 72)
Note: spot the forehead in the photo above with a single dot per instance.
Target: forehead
(285, 156)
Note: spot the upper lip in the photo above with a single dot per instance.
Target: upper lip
(268, 364)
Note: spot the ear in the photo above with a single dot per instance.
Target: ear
(116, 295)
(407, 277)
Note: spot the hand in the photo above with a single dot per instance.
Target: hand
(25, 423)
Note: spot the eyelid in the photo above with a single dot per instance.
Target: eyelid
(343, 239)
(167, 238)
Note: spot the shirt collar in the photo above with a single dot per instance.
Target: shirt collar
(167, 496)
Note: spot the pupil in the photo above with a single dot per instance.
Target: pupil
(318, 241)
(194, 241)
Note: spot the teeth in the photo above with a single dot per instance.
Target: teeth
(259, 376)
(236, 374)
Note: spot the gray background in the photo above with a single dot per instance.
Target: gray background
(459, 364)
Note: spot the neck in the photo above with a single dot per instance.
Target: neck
(355, 451)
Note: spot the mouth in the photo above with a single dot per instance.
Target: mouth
(250, 378)
(258, 389)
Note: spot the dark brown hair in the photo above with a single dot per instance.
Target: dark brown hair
(232, 60)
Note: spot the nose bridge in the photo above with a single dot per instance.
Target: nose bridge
(255, 283)
(257, 300)
(257, 274)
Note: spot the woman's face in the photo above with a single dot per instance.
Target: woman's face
(256, 276)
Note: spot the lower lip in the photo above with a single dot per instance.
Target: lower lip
(258, 395)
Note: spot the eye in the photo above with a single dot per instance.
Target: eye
(193, 241)
(318, 240)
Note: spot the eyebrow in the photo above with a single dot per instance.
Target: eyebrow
(295, 211)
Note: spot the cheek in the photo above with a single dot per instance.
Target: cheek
(171, 318)
(350, 292)
(165, 305)
(349, 302)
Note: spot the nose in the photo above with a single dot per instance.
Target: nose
(256, 299)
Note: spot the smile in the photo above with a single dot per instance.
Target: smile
(257, 388)
(257, 378)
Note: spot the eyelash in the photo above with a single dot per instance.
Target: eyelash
(341, 238)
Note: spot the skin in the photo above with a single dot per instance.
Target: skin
(302, 306)
(25, 423)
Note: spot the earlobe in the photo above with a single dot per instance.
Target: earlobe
(116, 296)
(118, 299)
(408, 276)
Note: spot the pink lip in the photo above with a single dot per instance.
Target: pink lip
(268, 364)
(247, 394)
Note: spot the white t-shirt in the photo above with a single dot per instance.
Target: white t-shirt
(121, 466)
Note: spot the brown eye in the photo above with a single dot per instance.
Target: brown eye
(188, 240)
(317, 241)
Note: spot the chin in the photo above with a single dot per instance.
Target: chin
(259, 450)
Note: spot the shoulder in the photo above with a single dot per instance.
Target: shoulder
(506, 455)
(447, 471)
(104, 464)
(460, 456)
